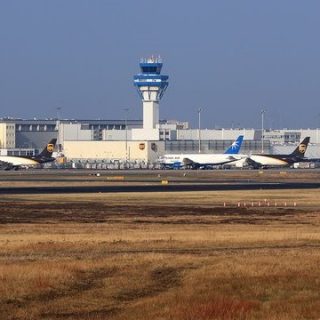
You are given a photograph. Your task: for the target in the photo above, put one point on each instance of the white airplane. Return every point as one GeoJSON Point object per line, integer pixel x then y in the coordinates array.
{"type": "Point", "coordinates": [196, 161]}
{"type": "Point", "coordinates": [16, 162]}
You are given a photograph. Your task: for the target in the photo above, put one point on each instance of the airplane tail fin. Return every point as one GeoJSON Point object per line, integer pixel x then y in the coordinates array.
{"type": "Point", "coordinates": [301, 148]}
{"type": "Point", "coordinates": [235, 147]}
{"type": "Point", "coordinates": [48, 150]}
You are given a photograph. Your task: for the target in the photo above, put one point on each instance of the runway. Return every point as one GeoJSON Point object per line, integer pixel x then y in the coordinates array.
{"type": "Point", "coordinates": [158, 188]}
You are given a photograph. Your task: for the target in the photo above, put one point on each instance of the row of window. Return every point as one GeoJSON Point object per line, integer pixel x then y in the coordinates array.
{"type": "Point", "coordinates": [166, 133]}
{"type": "Point", "coordinates": [20, 153]}
{"type": "Point", "coordinates": [106, 126]}
{"type": "Point", "coordinates": [32, 127]}
{"type": "Point", "coordinates": [212, 145]}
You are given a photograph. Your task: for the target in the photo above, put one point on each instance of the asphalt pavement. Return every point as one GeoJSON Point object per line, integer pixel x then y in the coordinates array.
{"type": "Point", "coordinates": [157, 188]}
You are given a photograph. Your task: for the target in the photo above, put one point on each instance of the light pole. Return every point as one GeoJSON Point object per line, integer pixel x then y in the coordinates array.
{"type": "Point", "coordinates": [60, 139]}
{"type": "Point", "coordinates": [126, 128]}
{"type": "Point", "coordinates": [58, 113]}
{"type": "Point", "coordinates": [262, 130]}
{"type": "Point", "coordinates": [317, 127]}
{"type": "Point", "coordinates": [199, 127]}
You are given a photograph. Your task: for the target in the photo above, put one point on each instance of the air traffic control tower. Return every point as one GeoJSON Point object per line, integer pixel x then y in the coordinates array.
{"type": "Point", "coordinates": [151, 86]}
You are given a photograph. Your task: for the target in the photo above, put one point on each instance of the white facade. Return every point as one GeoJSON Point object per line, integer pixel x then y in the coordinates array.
{"type": "Point", "coordinates": [7, 135]}
{"type": "Point", "coordinates": [114, 150]}
{"type": "Point", "coordinates": [73, 131]}
{"type": "Point", "coordinates": [213, 134]}
{"type": "Point", "coordinates": [285, 136]}
{"type": "Point", "coordinates": [116, 134]}
{"type": "Point", "coordinates": [145, 134]}
{"type": "Point", "coordinates": [281, 137]}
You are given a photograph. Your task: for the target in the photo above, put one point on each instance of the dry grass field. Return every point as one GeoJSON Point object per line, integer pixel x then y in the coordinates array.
{"type": "Point", "coordinates": [161, 256]}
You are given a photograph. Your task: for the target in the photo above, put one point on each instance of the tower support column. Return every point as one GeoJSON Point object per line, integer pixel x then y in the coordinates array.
{"type": "Point", "coordinates": [150, 114]}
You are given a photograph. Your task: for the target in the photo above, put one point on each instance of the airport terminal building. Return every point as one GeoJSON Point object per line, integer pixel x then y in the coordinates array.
{"type": "Point", "coordinates": [145, 140]}
{"type": "Point", "coordinates": [112, 140]}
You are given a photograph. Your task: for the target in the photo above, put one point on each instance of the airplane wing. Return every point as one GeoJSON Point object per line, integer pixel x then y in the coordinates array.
{"type": "Point", "coordinates": [195, 165]}
{"type": "Point", "coordinates": [188, 162]}
{"type": "Point", "coordinates": [253, 164]}
{"type": "Point", "coordinates": [6, 165]}
{"type": "Point", "coordinates": [228, 160]}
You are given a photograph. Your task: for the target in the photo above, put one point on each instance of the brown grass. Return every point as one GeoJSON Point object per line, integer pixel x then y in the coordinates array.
{"type": "Point", "coordinates": [160, 256]}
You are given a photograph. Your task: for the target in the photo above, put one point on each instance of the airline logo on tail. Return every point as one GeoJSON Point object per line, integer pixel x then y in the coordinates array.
{"type": "Point", "coordinates": [50, 147]}
{"type": "Point", "coordinates": [235, 147]}
{"type": "Point", "coordinates": [302, 148]}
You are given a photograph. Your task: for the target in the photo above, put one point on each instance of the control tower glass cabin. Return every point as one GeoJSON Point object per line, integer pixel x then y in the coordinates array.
{"type": "Point", "coordinates": [151, 86]}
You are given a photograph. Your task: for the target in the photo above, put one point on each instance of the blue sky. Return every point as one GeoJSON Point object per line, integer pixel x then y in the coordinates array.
{"type": "Point", "coordinates": [229, 57]}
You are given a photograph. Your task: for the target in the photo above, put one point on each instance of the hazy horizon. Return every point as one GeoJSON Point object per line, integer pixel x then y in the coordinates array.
{"type": "Point", "coordinates": [231, 58]}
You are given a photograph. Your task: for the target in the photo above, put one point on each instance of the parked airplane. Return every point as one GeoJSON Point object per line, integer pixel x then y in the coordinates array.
{"type": "Point", "coordinates": [196, 161]}
{"type": "Point", "coordinates": [279, 160]}
{"type": "Point", "coordinates": [16, 162]}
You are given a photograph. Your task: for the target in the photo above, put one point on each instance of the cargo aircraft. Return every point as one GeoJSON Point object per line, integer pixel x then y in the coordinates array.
{"type": "Point", "coordinates": [280, 160]}
{"type": "Point", "coordinates": [199, 161]}
{"type": "Point", "coordinates": [17, 162]}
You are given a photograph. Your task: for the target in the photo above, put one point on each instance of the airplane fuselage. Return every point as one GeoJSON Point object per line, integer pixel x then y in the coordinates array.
{"type": "Point", "coordinates": [18, 161]}
{"type": "Point", "coordinates": [274, 160]}
{"type": "Point", "coordinates": [14, 162]}
{"type": "Point", "coordinates": [199, 159]}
